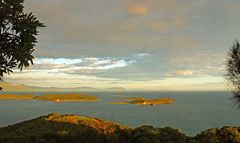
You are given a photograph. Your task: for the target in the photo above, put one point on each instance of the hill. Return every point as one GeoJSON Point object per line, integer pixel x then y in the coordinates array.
{"type": "Point", "coordinates": [56, 128]}
{"type": "Point", "coordinates": [8, 87]}
{"type": "Point", "coordinates": [11, 87]}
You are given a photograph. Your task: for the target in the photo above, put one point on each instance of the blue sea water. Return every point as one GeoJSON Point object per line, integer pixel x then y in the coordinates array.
{"type": "Point", "coordinates": [191, 113]}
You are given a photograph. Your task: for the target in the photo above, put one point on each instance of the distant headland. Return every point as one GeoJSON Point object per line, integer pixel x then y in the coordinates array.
{"type": "Point", "coordinates": [9, 87]}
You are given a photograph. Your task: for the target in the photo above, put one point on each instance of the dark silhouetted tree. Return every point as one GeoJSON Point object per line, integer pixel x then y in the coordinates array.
{"type": "Point", "coordinates": [18, 31]}
{"type": "Point", "coordinates": [233, 70]}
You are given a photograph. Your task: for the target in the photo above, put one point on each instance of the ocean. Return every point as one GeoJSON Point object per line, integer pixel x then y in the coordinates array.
{"type": "Point", "coordinates": [191, 113]}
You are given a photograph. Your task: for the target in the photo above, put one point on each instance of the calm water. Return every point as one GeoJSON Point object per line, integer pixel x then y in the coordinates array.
{"type": "Point", "coordinates": [192, 112]}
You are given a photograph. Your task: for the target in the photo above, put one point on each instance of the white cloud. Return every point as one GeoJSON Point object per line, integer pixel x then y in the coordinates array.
{"type": "Point", "coordinates": [142, 55]}
{"type": "Point", "coordinates": [201, 63]}
{"type": "Point", "coordinates": [66, 61]}
{"type": "Point", "coordinates": [97, 61]}
{"type": "Point", "coordinates": [83, 65]}
{"type": "Point", "coordinates": [72, 72]}
{"type": "Point", "coordinates": [104, 65]}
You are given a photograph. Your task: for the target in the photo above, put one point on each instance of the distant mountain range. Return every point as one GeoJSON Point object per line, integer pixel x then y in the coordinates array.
{"type": "Point", "coordinates": [8, 87]}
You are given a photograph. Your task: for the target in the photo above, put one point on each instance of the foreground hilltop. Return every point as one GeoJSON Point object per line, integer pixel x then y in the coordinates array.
{"type": "Point", "coordinates": [56, 128]}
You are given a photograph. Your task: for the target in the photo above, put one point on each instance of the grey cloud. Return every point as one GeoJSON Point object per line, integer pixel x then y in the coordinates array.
{"type": "Point", "coordinates": [180, 35]}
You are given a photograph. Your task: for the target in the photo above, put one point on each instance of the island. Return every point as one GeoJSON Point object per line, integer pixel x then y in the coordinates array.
{"type": "Point", "coordinates": [143, 101]}
{"type": "Point", "coordinates": [68, 97]}
{"type": "Point", "coordinates": [16, 97]}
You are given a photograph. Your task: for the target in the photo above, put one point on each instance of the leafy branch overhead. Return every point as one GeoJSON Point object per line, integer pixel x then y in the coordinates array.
{"type": "Point", "coordinates": [18, 31]}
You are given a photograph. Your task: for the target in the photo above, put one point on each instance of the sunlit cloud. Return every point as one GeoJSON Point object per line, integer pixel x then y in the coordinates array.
{"type": "Point", "coordinates": [105, 65]}
{"type": "Point", "coordinates": [201, 64]}
{"type": "Point", "coordinates": [58, 79]}
{"type": "Point", "coordinates": [135, 40]}
{"type": "Point", "coordinates": [168, 24]}
{"type": "Point", "coordinates": [198, 58]}
{"type": "Point", "coordinates": [185, 72]}
{"type": "Point", "coordinates": [142, 55]}
{"type": "Point", "coordinates": [97, 61]}
{"type": "Point", "coordinates": [66, 61]}
{"type": "Point", "coordinates": [138, 10]}
{"type": "Point", "coordinates": [84, 65]}
{"type": "Point", "coordinates": [68, 81]}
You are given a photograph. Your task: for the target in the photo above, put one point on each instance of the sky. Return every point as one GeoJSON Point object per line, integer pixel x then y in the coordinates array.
{"type": "Point", "coordinates": [134, 44]}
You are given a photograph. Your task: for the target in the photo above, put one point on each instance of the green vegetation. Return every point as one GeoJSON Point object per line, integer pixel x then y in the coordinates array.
{"type": "Point", "coordinates": [18, 31]}
{"type": "Point", "coordinates": [233, 70]}
{"type": "Point", "coordinates": [143, 101]}
{"type": "Point", "coordinates": [50, 97]}
{"type": "Point", "coordinates": [56, 128]}
{"type": "Point", "coordinates": [223, 135]}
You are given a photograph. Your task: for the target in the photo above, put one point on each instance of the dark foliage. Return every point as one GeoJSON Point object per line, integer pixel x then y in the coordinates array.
{"type": "Point", "coordinates": [233, 70]}
{"type": "Point", "coordinates": [149, 134]}
{"type": "Point", "coordinates": [18, 31]}
{"type": "Point", "coordinates": [224, 135]}
{"type": "Point", "coordinates": [43, 130]}
{"type": "Point", "coordinates": [64, 132]}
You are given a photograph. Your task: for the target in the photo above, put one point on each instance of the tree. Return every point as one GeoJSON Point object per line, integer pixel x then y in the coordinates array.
{"type": "Point", "coordinates": [233, 70]}
{"type": "Point", "coordinates": [18, 31]}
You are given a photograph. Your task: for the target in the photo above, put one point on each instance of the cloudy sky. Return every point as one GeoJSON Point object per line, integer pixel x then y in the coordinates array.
{"type": "Point", "coordinates": [135, 44]}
